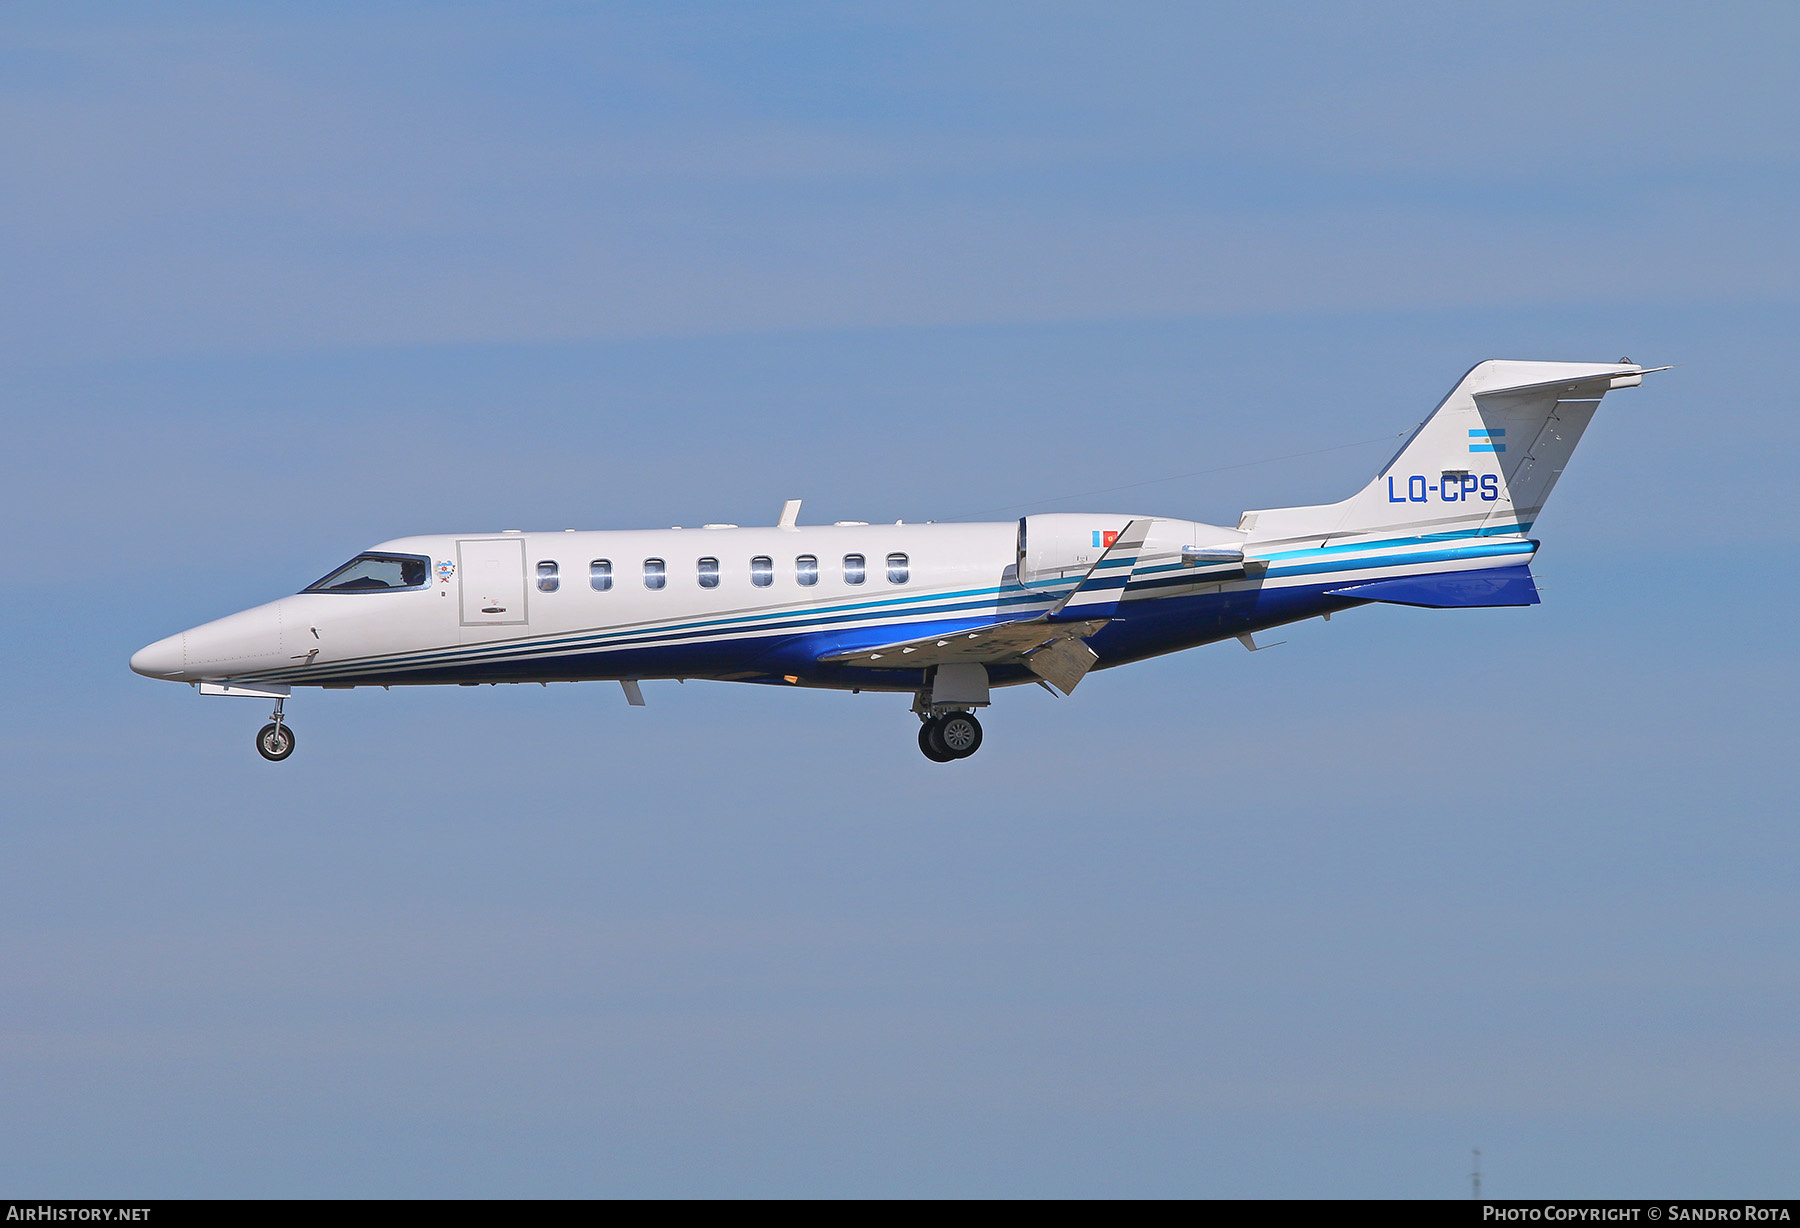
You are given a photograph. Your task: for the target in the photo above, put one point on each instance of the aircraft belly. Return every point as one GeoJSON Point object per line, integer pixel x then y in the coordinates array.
{"type": "Point", "coordinates": [1152, 628]}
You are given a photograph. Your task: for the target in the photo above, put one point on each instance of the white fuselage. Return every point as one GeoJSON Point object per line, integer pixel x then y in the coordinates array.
{"type": "Point", "coordinates": [941, 610]}
{"type": "Point", "coordinates": [695, 603]}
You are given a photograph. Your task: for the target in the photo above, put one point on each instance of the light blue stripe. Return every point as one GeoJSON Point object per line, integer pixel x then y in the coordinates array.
{"type": "Point", "coordinates": [1494, 550]}
{"type": "Point", "coordinates": [1340, 548]}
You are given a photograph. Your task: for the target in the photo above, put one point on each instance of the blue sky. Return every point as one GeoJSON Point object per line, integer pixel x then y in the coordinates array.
{"type": "Point", "coordinates": [282, 282]}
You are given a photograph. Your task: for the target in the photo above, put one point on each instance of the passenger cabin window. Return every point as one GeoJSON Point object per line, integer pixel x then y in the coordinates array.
{"type": "Point", "coordinates": [855, 568]}
{"type": "Point", "coordinates": [547, 578]}
{"type": "Point", "coordinates": [897, 569]}
{"type": "Point", "coordinates": [656, 574]}
{"type": "Point", "coordinates": [806, 569]}
{"type": "Point", "coordinates": [371, 573]}
{"type": "Point", "coordinates": [600, 575]}
{"type": "Point", "coordinates": [709, 573]}
{"type": "Point", "coordinates": [762, 571]}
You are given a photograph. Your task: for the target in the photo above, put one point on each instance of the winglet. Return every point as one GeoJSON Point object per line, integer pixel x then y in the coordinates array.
{"type": "Point", "coordinates": [1097, 596]}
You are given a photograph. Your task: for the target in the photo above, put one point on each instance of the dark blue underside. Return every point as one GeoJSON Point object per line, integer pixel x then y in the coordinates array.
{"type": "Point", "coordinates": [1491, 586]}
{"type": "Point", "coordinates": [1141, 629]}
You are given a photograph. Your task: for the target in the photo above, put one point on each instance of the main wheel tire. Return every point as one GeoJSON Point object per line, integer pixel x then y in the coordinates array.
{"type": "Point", "coordinates": [274, 742]}
{"type": "Point", "coordinates": [929, 744]}
{"type": "Point", "coordinates": [959, 734]}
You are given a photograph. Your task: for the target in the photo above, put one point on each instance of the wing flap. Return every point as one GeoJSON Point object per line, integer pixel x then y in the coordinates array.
{"type": "Point", "coordinates": [1063, 663]}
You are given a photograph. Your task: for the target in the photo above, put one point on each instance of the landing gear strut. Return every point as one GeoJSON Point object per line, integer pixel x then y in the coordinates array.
{"type": "Point", "coordinates": [951, 735]}
{"type": "Point", "coordinates": [275, 741]}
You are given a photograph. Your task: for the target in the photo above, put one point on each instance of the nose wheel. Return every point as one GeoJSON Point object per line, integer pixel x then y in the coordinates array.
{"type": "Point", "coordinates": [954, 735]}
{"type": "Point", "coordinates": [275, 741]}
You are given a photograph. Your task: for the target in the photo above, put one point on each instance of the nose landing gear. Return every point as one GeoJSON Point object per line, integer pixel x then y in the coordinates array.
{"type": "Point", "coordinates": [951, 735]}
{"type": "Point", "coordinates": [275, 741]}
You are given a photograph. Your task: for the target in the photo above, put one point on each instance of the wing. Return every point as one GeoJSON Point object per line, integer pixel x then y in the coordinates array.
{"type": "Point", "coordinates": [999, 644]}
{"type": "Point", "coordinates": [1054, 651]}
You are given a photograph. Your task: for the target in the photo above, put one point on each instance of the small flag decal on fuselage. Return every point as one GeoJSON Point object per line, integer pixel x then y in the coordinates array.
{"type": "Point", "coordinates": [1488, 441]}
{"type": "Point", "coordinates": [1105, 538]}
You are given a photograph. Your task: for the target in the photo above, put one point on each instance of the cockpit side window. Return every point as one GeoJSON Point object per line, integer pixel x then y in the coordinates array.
{"type": "Point", "coordinates": [372, 573]}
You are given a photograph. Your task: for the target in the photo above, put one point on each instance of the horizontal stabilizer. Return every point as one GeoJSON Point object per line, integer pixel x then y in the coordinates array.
{"type": "Point", "coordinates": [1492, 586]}
{"type": "Point", "coordinates": [1627, 377]}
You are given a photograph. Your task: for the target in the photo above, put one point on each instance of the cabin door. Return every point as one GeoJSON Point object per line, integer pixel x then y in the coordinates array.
{"type": "Point", "coordinates": [492, 574]}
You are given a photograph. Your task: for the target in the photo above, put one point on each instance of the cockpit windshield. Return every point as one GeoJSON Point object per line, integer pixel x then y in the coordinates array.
{"type": "Point", "coordinates": [368, 573]}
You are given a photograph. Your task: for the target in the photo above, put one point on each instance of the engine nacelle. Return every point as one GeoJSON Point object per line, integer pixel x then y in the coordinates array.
{"type": "Point", "coordinates": [1062, 545]}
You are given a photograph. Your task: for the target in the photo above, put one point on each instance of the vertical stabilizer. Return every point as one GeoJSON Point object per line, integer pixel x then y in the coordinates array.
{"type": "Point", "coordinates": [1482, 464]}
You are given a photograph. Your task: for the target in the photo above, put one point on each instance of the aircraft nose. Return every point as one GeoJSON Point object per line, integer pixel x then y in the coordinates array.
{"type": "Point", "coordinates": [166, 658]}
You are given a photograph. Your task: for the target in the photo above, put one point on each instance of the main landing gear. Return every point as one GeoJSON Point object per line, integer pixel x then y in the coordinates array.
{"type": "Point", "coordinates": [275, 741]}
{"type": "Point", "coordinates": [950, 735]}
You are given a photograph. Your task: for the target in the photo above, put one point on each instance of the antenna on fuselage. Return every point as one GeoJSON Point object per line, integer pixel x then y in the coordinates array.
{"type": "Point", "coordinates": [790, 515]}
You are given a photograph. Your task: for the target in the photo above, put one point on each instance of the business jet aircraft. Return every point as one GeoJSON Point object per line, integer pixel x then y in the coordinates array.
{"type": "Point", "coordinates": [944, 612]}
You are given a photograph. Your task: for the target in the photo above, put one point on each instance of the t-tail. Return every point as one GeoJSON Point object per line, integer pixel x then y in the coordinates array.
{"type": "Point", "coordinates": [1447, 521]}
